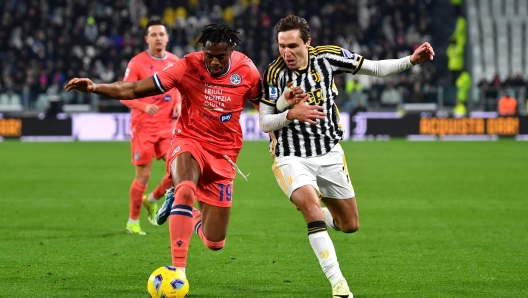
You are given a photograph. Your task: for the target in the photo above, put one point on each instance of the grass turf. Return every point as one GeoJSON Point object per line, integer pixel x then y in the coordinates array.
{"type": "Point", "coordinates": [438, 219]}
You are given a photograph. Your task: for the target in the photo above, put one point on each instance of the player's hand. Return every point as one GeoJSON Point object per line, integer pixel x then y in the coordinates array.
{"type": "Point", "coordinates": [81, 84]}
{"type": "Point", "coordinates": [305, 112]}
{"type": "Point", "coordinates": [176, 111]}
{"type": "Point", "coordinates": [422, 53]}
{"type": "Point", "coordinates": [152, 109]}
{"type": "Point", "coordinates": [294, 94]}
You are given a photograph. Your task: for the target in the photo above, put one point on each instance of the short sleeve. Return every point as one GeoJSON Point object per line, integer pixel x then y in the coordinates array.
{"type": "Point", "coordinates": [270, 91]}
{"type": "Point", "coordinates": [170, 76]}
{"type": "Point", "coordinates": [255, 90]}
{"type": "Point", "coordinates": [131, 73]}
{"type": "Point", "coordinates": [342, 60]}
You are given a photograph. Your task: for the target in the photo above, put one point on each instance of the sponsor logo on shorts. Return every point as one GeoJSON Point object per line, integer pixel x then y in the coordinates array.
{"type": "Point", "coordinates": [176, 150]}
{"type": "Point", "coordinates": [235, 79]}
{"type": "Point", "coordinates": [136, 155]}
{"type": "Point", "coordinates": [226, 117]}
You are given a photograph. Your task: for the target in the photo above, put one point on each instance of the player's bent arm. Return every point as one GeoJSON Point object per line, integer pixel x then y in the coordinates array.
{"type": "Point", "coordinates": [386, 67]}
{"type": "Point", "coordinates": [127, 90]}
{"type": "Point", "coordinates": [269, 120]}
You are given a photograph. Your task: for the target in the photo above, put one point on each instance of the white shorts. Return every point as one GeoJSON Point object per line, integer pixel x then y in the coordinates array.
{"type": "Point", "coordinates": [328, 174]}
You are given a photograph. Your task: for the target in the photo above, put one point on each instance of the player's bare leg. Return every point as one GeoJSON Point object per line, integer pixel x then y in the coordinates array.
{"type": "Point", "coordinates": [185, 172]}
{"type": "Point", "coordinates": [210, 223]}
{"type": "Point", "coordinates": [342, 214]}
{"type": "Point", "coordinates": [306, 199]}
{"type": "Point", "coordinates": [137, 189]}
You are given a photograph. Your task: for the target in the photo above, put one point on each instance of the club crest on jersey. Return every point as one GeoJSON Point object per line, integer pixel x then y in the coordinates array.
{"type": "Point", "coordinates": [136, 155]}
{"type": "Point", "coordinates": [235, 79]}
{"type": "Point", "coordinates": [167, 98]}
{"type": "Point", "coordinates": [347, 54]}
{"type": "Point", "coordinates": [273, 94]}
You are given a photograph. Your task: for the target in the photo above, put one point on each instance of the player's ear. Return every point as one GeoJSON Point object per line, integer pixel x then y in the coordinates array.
{"type": "Point", "coordinates": [308, 42]}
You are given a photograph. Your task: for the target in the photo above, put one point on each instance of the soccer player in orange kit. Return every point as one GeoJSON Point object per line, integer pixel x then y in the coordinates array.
{"type": "Point", "coordinates": [215, 84]}
{"type": "Point", "coordinates": [152, 121]}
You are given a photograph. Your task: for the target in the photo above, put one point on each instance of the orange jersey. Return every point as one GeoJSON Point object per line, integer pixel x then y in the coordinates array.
{"type": "Point", "coordinates": [211, 106]}
{"type": "Point", "coordinates": [141, 66]}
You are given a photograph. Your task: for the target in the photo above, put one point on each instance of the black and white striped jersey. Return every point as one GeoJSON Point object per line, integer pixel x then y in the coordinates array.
{"type": "Point", "coordinates": [317, 80]}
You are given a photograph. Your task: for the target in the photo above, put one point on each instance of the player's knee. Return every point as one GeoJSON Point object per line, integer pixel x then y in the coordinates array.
{"type": "Point", "coordinates": [350, 226]}
{"type": "Point", "coordinates": [214, 245]}
{"type": "Point", "coordinates": [184, 193]}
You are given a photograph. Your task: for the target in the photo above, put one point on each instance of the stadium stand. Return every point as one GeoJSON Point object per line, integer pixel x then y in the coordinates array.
{"type": "Point", "coordinates": [498, 35]}
{"type": "Point", "coordinates": [45, 42]}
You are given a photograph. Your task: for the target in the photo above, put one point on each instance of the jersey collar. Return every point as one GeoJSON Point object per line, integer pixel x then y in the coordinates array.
{"type": "Point", "coordinates": [157, 58]}
{"type": "Point", "coordinates": [228, 68]}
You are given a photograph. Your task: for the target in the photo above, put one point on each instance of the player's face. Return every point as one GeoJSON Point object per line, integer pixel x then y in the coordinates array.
{"type": "Point", "coordinates": [216, 57]}
{"type": "Point", "coordinates": [293, 49]}
{"type": "Point", "coordinates": [157, 38]}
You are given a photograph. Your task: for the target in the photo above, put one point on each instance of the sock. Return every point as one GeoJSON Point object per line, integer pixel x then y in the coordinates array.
{"type": "Point", "coordinates": [329, 220]}
{"type": "Point", "coordinates": [181, 222]}
{"type": "Point", "coordinates": [131, 221]}
{"type": "Point", "coordinates": [159, 191]}
{"type": "Point", "coordinates": [324, 250]}
{"type": "Point", "coordinates": [197, 224]}
{"type": "Point", "coordinates": [136, 196]}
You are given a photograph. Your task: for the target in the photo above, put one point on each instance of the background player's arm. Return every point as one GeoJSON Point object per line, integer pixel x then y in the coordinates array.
{"type": "Point", "coordinates": [116, 90]}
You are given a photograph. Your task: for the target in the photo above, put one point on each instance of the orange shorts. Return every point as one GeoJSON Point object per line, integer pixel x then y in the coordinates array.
{"type": "Point", "coordinates": [146, 146]}
{"type": "Point", "coordinates": [215, 186]}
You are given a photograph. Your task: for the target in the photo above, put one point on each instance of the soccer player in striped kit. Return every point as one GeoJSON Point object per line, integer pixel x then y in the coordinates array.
{"type": "Point", "coordinates": [309, 164]}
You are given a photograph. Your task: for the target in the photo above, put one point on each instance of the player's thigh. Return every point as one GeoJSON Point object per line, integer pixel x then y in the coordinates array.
{"type": "Point", "coordinates": [293, 173]}
{"type": "Point", "coordinates": [142, 149]}
{"type": "Point", "coordinates": [185, 161]}
{"type": "Point", "coordinates": [216, 185]}
{"type": "Point", "coordinates": [345, 213]}
{"type": "Point", "coordinates": [215, 221]}
{"type": "Point", "coordinates": [333, 178]}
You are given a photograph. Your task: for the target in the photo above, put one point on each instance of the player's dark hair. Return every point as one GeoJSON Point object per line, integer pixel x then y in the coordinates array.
{"type": "Point", "coordinates": [292, 22]}
{"type": "Point", "coordinates": [153, 21]}
{"type": "Point", "coordinates": [216, 33]}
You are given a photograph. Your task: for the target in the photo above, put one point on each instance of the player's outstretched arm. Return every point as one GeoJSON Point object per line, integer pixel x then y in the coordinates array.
{"type": "Point", "coordinates": [116, 90]}
{"type": "Point", "coordinates": [387, 67]}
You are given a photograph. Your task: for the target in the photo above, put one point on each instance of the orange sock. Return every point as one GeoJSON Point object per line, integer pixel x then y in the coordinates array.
{"type": "Point", "coordinates": [181, 222]}
{"type": "Point", "coordinates": [164, 184]}
{"type": "Point", "coordinates": [136, 197]}
{"type": "Point", "coordinates": [197, 224]}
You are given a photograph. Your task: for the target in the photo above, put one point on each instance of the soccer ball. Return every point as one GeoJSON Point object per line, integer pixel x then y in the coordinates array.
{"type": "Point", "coordinates": [168, 282]}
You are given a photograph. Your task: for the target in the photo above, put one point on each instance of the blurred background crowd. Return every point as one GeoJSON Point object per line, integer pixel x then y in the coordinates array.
{"type": "Point", "coordinates": [44, 43]}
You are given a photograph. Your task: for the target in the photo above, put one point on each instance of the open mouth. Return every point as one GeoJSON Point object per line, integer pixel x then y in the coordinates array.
{"type": "Point", "coordinates": [290, 62]}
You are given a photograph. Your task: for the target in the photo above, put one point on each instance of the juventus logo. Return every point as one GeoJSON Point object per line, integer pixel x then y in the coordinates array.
{"type": "Point", "coordinates": [324, 254]}
{"type": "Point", "coordinates": [316, 76]}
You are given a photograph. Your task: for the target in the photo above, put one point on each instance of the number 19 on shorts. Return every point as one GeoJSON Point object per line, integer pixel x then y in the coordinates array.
{"type": "Point", "coordinates": [225, 192]}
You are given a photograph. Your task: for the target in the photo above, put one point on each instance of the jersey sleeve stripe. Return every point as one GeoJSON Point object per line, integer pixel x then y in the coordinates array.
{"type": "Point", "coordinates": [158, 84]}
{"type": "Point", "coordinates": [358, 67]}
{"type": "Point", "coordinates": [268, 102]}
{"type": "Point", "coordinates": [273, 71]}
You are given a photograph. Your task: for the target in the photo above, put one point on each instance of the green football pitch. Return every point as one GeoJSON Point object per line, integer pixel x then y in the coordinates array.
{"type": "Point", "coordinates": [438, 219]}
